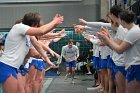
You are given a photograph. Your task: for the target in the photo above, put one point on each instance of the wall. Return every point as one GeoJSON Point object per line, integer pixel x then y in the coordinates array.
{"type": "Point", "coordinates": [87, 9]}
{"type": "Point", "coordinates": [104, 8]}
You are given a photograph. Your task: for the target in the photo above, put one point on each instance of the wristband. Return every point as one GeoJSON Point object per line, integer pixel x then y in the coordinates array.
{"type": "Point", "coordinates": [52, 41]}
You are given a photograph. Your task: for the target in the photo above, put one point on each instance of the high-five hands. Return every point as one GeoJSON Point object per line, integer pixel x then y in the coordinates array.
{"type": "Point", "coordinates": [82, 21]}
{"type": "Point", "coordinates": [58, 19]}
{"type": "Point", "coordinates": [104, 35]}
{"type": "Point", "coordinates": [79, 28]}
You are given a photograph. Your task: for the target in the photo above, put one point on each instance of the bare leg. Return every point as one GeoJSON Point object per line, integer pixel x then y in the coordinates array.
{"type": "Point", "coordinates": [37, 81]}
{"type": "Point", "coordinates": [8, 85]}
{"type": "Point", "coordinates": [30, 78]}
{"type": "Point", "coordinates": [102, 80]}
{"type": "Point", "coordinates": [73, 72]}
{"type": "Point", "coordinates": [99, 79]}
{"type": "Point", "coordinates": [133, 86]}
{"type": "Point", "coordinates": [41, 83]}
{"type": "Point", "coordinates": [21, 84]}
{"type": "Point", "coordinates": [88, 67]}
{"type": "Point", "coordinates": [120, 82]}
{"type": "Point", "coordinates": [111, 82]}
{"type": "Point", "coordinates": [67, 72]}
{"type": "Point", "coordinates": [106, 81]}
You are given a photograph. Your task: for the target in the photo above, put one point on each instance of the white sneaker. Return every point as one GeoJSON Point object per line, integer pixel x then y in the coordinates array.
{"type": "Point", "coordinates": [89, 73]}
{"type": "Point", "coordinates": [72, 82]}
{"type": "Point", "coordinates": [66, 77]}
{"type": "Point", "coordinates": [94, 88]}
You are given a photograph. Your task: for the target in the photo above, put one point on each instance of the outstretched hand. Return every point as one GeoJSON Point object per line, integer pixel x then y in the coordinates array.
{"type": "Point", "coordinates": [79, 28]}
{"type": "Point", "coordinates": [104, 35]}
{"type": "Point", "coordinates": [48, 61]}
{"type": "Point", "coordinates": [87, 37]}
{"type": "Point", "coordinates": [106, 32]}
{"type": "Point", "coordinates": [58, 19]}
{"type": "Point", "coordinates": [51, 64]}
{"type": "Point", "coordinates": [82, 21]}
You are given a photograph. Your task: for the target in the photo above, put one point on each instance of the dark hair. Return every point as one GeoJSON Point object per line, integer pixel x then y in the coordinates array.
{"type": "Point", "coordinates": [70, 41]}
{"type": "Point", "coordinates": [103, 20]}
{"type": "Point", "coordinates": [138, 20]}
{"type": "Point", "coordinates": [127, 16]}
{"type": "Point", "coordinates": [18, 21]}
{"type": "Point", "coordinates": [31, 19]}
{"type": "Point", "coordinates": [115, 10]}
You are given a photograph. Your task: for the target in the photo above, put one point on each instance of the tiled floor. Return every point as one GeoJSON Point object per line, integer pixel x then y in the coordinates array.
{"type": "Point", "coordinates": [60, 85]}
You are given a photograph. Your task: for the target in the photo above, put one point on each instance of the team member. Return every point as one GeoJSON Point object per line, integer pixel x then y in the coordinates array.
{"type": "Point", "coordinates": [70, 53]}
{"type": "Point", "coordinates": [17, 46]}
{"type": "Point", "coordinates": [130, 47]}
{"type": "Point", "coordinates": [117, 69]}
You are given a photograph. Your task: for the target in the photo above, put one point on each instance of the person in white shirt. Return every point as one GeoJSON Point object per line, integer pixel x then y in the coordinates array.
{"type": "Point", "coordinates": [70, 53]}
{"type": "Point", "coordinates": [117, 69]}
{"type": "Point", "coordinates": [37, 66]}
{"type": "Point", "coordinates": [17, 46]}
{"type": "Point", "coordinates": [130, 48]}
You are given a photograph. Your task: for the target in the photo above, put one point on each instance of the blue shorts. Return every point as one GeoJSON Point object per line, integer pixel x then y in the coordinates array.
{"type": "Point", "coordinates": [110, 63]}
{"type": "Point", "coordinates": [6, 71]}
{"type": "Point", "coordinates": [133, 73]}
{"type": "Point", "coordinates": [99, 60]}
{"type": "Point", "coordinates": [108, 60]}
{"type": "Point", "coordinates": [118, 68]}
{"type": "Point", "coordinates": [39, 64]}
{"type": "Point", "coordinates": [71, 64]}
{"type": "Point", "coordinates": [103, 63]}
{"type": "Point", "coordinates": [23, 70]}
{"type": "Point", "coordinates": [95, 62]}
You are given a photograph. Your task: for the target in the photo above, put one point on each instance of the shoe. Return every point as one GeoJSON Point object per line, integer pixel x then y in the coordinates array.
{"type": "Point", "coordinates": [69, 75]}
{"type": "Point", "coordinates": [89, 73]}
{"type": "Point", "coordinates": [93, 88]}
{"type": "Point", "coordinates": [95, 85]}
{"type": "Point", "coordinates": [72, 82]}
{"type": "Point", "coordinates": [66, 77]}
{"type": "Point", "coordinates": [58, 73]}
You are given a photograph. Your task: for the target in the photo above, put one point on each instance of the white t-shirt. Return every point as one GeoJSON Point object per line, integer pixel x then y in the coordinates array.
{"type": "Point", "coordinates": [71, 53]}
{"type": "Point", "coordinates": [16, 46]}
{"type": "Point", "coordinates": [30, 58]}
{"type": "Point", "coordinates": [104, 52]}
{"type": "Point", "coordinates": [132, 55]}
{"type": "Point", "coordinates": [119, 58]}
{"type": "Point", "coordinates": [96, 51]}
{"type": "Point", "coordinates": [112, 33]}
{"type": "Point", "coordinates": [95, 42]}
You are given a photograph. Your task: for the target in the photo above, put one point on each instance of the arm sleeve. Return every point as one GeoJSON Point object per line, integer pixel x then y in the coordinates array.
{"type": "Point", "coordinates": [121, 33]}
{"type": "Point", "coordinates": [99, 25]}
{"type": "Point", "coordinates": [94, 41]}
{"type": "Point", "coordinates": [90, 28]}
{"type": "Point", "coordinates": [132, 37]}
{"type": "Point", "coordinates": [63, 53]}
{"type": "Point", "coordinates": [77, 51]}
{"type": "Point", "coordinates": [23, 28]}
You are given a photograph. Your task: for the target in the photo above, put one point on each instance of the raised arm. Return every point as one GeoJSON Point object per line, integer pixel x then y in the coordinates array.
{"type": "Point", "coordinates": [36, 31]}
{"type": "Point", "coordinates": [40, 50]}
{"type": "Point", "coordinates": [77, 53]}
{"type": "Point", "coordinates": [59, 35]}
